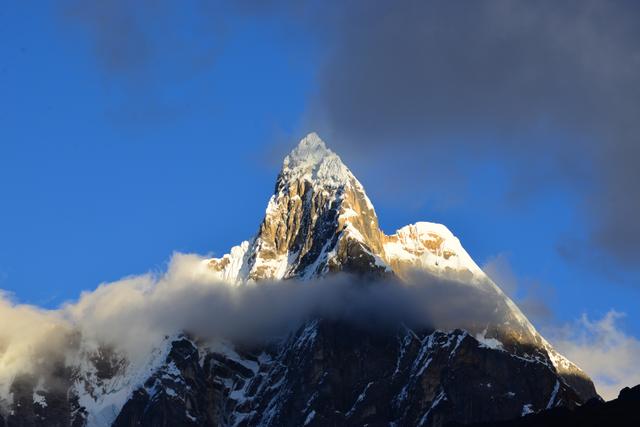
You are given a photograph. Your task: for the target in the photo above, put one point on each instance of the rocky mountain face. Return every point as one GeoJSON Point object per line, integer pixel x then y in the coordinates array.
{"type": "Point", "coordinates": [329, 372]}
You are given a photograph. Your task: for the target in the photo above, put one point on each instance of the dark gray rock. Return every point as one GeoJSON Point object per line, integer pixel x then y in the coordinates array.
{"type": "Point", "coordinates": [333, 373]}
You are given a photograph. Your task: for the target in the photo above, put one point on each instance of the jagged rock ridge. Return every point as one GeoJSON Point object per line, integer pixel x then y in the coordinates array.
{"type": "Point", "coordinates": [320, 221]}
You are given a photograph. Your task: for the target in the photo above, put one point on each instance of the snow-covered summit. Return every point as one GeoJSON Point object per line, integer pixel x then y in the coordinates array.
{"type": "Point", "coordinates": [310, 150]}
{"type": "Point", "coordinates": [313, 161]}
{"type": "Point", "coordinates": [429, 246]}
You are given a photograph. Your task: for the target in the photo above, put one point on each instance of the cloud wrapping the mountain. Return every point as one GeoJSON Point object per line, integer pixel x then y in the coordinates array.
{"type": "Point", "coordinates": [136, 313]}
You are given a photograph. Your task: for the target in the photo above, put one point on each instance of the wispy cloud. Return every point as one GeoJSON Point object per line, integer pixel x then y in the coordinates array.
{"type": "Point", "coordinates": [148, 52]}
{"type": "Point", "coordinates": [603, 350]}
{"type": "Point", "coordinates": [531, 296]}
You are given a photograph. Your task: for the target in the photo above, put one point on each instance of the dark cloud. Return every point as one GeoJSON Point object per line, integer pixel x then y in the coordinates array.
{"type": "Point", "coordinates": [148, 51]}
{"type": "Point", "coordinates": [551, 89]}
{"type": "Point", "coordinates": [129, 39]}
{"type": "Point", "coordinates": [120, 41]}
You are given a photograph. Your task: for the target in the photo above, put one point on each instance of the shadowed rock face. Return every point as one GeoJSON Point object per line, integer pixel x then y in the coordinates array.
{"type": "Point", "coordinates": [331, 373]}
{"type": "Point", "coordinates": [320, 221]}
{"type": "Point", "coordinates": [42, 404]}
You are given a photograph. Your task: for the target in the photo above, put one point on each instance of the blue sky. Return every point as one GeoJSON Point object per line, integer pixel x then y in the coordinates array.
{"type": "Point", "coordinates": [106, 169]}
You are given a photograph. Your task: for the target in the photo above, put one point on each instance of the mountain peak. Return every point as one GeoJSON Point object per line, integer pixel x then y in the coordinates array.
{"type": "Point", "coordinates": [310, 151]}
{"type": "Point", "coordinates": [313, 161]}
{"type": "Point", "coordinates": [311, 145]}
{"type": "Point", "coordinates": [320, 221]}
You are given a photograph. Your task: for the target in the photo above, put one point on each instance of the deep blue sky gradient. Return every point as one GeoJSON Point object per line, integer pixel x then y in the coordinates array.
{"type": "Point", "coordinates": [104, 174]}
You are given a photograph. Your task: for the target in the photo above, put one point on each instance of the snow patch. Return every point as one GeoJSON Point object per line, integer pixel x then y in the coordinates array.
{"type": "Point", "coordinates": [310, 417]}
{"type": "Point", "coordinates": [527, 409]}
{"type": "Point", "coordinates": [554, 393]}
{"type": "Point", "coordinates": [359, 399]}
{"type": "Point", "coordinates": [39, 399]}
{"type": "Point", "coordinates": [491, 343]}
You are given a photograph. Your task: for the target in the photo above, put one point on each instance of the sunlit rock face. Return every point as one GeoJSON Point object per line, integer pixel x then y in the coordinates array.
{"type": "Point", "coordinates": [319, 221]}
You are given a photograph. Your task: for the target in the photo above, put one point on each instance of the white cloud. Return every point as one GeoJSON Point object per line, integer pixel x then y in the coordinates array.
{"type": "Point", "coordinates": [25, 332]}
{"type": "Point", "coordinates": [609, 355]}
